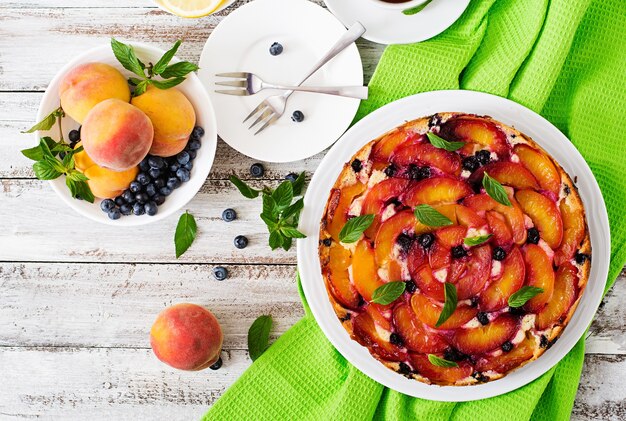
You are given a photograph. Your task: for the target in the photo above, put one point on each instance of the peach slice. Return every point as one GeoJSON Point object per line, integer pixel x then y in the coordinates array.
{"type": "Point", "coordinates": [506, 361]}
{"type": "Point", "coordinates": [416, 337]}
{"type": "Point", "coordinates": [507, 173]}
{"type": "Point", "coordinates": [377, 197]}
{"type": "Point", "coordinates": [377, 312]}
{"type": "Point", "coordinates": [540, 166]}
{"type": "Point", "coordinates": [451, 236]}
{"type": "Point", "coordinates": [365, 333]}
{"type": "Point", "coordinates": [502, 235]}
{"type": "Point", "coordinates": [436, 190]}
{"type": "Point", "coordinates": [564, 294]}
{"type": "Point", "coordinates": [539, 273]}
{"type": "Point", "coordinates": [339, 279]}
{"type": "Point", "coordinates": [573, 231]}
{"type": "Point", "coordinates": [439, 255]}
{"type": "Point", "coordinates": [476, 130]}
{"type": "Point", "coordinates": [498, 292]}
{"type": "Point", "coordinates": [365, 270]}
{"type": "Point", "coordinates": [428, 312]}
{"type": "Point", "coordinates": [467, 217]}
{"type": "Point", "coordinates": [416, 257]}
{"type": "Point", "coordinates": [384, 148]}
{"type": "Point", "coordinates": [513, 214]}
{"type": "Point", "coordinates": [481, 339]}
{"type": "Point", "coordinates": [424, 279]}
{"type": "Point", "coordinates": [426, 154]}
{"type": "Point", "coordinates": [436, 374]}
{"type": "Point", "coordinates": [544, 214]}
{"type": "Point", "coordinates": [478, 272]}
{"type": "Point", "coordinates": [337, 216]}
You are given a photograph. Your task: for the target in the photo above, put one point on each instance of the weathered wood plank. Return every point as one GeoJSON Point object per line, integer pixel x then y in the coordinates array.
{"type": "Point", "coordinates": [113, 305]}
{"type": "Point", "coordinates": [64, 33]}
{"type": "Point", "coordinates": [96, 383]}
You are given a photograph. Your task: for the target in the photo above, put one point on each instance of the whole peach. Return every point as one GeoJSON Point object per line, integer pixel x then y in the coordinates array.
{"type": "Point", "coordinates": [172, 116]}
{"type": "Point", "coordinates": [187, 337]}
{"type": "Point", "coordinates": [86, 85]}
{"type": "Point", "coordinates": [116, 135]}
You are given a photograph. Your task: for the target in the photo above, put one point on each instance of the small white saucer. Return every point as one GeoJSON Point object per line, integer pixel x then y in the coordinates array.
{"type": "Point", "coordinates": [306, 31]}
{"type": "Point", "coordinates": [391, 26]}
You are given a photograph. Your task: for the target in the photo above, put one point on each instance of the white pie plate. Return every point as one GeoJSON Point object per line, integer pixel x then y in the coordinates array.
{"type": "Point", "coordinates": [205, 117]}
{"type": "Point", "coordinates": [383, 120]}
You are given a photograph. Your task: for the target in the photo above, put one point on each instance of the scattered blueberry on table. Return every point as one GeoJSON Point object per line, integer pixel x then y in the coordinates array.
{"type": "Point", "coordinates": [276, 48]}
{"type": "Point", "coordinates": [241, 241]}
{"type": "Point", "coordinates": [220, 273]}
{"type": "Point", "coordinates": [297, 116]}
{"type": "Point", "coordinates": [257, 170]}
{"type": "Point", "coordinates": [292, 176]}
{"type": "Point", "coordinates": [157, 178]}
{"type": "Point", "coordinates": [229, 215]}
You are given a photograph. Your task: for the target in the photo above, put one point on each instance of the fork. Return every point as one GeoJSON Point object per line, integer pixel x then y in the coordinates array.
{"type": "Point", "coordinates": [250, 84]}
{"type": "Point", "coordinates": [271, 108]}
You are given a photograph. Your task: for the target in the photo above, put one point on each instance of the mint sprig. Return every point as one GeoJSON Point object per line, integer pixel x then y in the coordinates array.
{"type": "Point", "coordinates": [441, 362]}
{"type": "Point", "coordinates": [495, 190]}
{"type": "Point", "coordinates": [428, 215]}
{"type": "Point", "coordinates": [259, 336]}
{"type": "Point", "coordinates": [521, 296]}
{"type": "Point", "coordinates": [171, 74]}
{"type": "Point", "coordinates": [478, 240]}
{"type": "Point", "coordinates": [279, 213]}
{"type": "Point", "coordinates": [441, 143]}
{"type": "Point", "coordinates": [354, 228]}
{"type": "Point", "coordinates": [186, 230]}
{"type": "Point", "coordinates": [388, 293]}
{"type": "Point", "coordinates": [47, 122]}
{"type": "Point", "coordinates": [449, 305]}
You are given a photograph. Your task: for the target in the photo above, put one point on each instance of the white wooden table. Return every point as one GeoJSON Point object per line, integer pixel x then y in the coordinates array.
{"type": "Point", "coordinates": [77, 299]}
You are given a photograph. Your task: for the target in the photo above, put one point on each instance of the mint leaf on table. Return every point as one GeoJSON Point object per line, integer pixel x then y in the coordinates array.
{"type": "Point", "coordinates": [298, 185]}
{"type": "Point", "coordinates": [47, 122]}
{"type": "Point", "coordinates": [449, 305]}
{"type": "Point", "coordinates": [428, 215]}
{"type": "Point", "coordinates": [495, 190]}
{"type": "Point", "coordinates": [354, 228]}
{"type": "Point", "coordinates": [185, 233]}
{"type": "Point", "coordinates": [521, 296]}
{"type": "Point", "coordinates": [283, 195]}
{"type": "Point", "coordinates": [259, 336]}
{"type": "Point", "coordinates": [441, 362]}
{"type": "Point", "coordinates": [441, 143]}
{"type": "Point", "coordinates": [478, 240]}
{"type": "Point", "coordinates": [416, 9]}
{"type": "Point", "coordinates": [180, 69]}
{"type": "Point", "coordinates": [243, 188]}
{"type": "Point", "coordinates": [388, 293]}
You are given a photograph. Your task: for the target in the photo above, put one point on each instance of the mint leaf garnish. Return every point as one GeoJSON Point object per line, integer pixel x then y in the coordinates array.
{"type": "Point", "coordinates": [185, 233]}
{"type": "Point", "coordinates": [428, 215]}
{"type": "Point", "coordinates": [521, 296]}
{"type": "Point", "coordinates": [125, 54]}
{"type": "Point", "coordinates": [166, 84]}
{"type": "Point", "coordinates": [495, 190]}
{"type": "Point", "coordinates": [388, 293]}
{"type": "Point", "coordinates": [354, 228]}
{"type": "Point", "coordinates": [475, 241]}
{"type": "Point", "coordinates": [161, 65]}
{"type": "Point", "coordinates": [259, 336]}
{"type": "Point", "coordinates": [416, 9]}
{"type": "Point", "coordinates": [47, 122]}
{"type": "Point", "coordinates": [441, 143]}
{"type": "Point", "coordinates": [449, 305]}
{"type": "Point", "coordinates": [180, 69]}
{"type": "Point", "coordinates": [441, 362]}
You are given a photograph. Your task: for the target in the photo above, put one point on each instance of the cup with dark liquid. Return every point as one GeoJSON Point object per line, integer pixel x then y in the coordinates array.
{"type": "Point", "coordinates": [398, 4]}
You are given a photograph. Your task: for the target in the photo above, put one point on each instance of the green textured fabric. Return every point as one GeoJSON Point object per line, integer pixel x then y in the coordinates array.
{"type": "Point", "coordinates": [565, 59]}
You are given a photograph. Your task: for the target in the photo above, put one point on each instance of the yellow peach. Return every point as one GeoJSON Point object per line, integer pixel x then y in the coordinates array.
{"type": "Point", "coordinates": [86, 85]}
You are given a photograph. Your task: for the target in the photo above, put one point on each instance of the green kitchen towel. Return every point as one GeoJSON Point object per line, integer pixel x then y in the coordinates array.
{"type": "Point", "coordinates": [565, 59]}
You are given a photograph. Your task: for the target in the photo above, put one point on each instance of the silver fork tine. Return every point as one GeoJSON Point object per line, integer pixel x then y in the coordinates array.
{"type": "Point", "coordinates": [259, 107]}
{"type": "Point", "coordinates": [234, 83]}
{"type": "Point", "coordinates": [267, 124]}
{"type": "Point", "coordinates": [267, 113]}
{"type": "Point", "coordinates": [238, 92]}
{"type": "Point", "coordinates": [233, 74]}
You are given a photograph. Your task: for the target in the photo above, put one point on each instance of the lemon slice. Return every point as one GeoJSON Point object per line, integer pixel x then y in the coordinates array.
{"type": "Point", "coordinates": [191, 8]}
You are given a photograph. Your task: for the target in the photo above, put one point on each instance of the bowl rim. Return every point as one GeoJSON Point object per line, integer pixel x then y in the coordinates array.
{"type": "Point", "coordinates": [210, 136]}
{"type": "Point", "coordinates": [385, 119]}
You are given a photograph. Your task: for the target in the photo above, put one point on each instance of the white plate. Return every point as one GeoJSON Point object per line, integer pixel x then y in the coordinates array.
{"type": "Point", "coordinates": [205, 117]}
{"type": "Point", "coordinates": [383, 120]}
{"type": "Point", "coordinates": [391, 26]}
{"type": "Point", "coordinates": [241, 43]}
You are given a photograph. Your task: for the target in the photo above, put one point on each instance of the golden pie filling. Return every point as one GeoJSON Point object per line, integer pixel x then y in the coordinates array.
{"type": "Point", "coordinates": [482, 234]}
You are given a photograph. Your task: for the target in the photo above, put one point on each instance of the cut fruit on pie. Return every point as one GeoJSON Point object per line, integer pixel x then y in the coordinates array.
{"type": "Point", "coordinates": [483, 249]}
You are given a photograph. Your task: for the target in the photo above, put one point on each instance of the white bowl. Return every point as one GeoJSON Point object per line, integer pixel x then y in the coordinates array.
{"type": "Point", "coordinates": [205, 117]}
{"type": "Point", "coordinates": [383, 120]}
